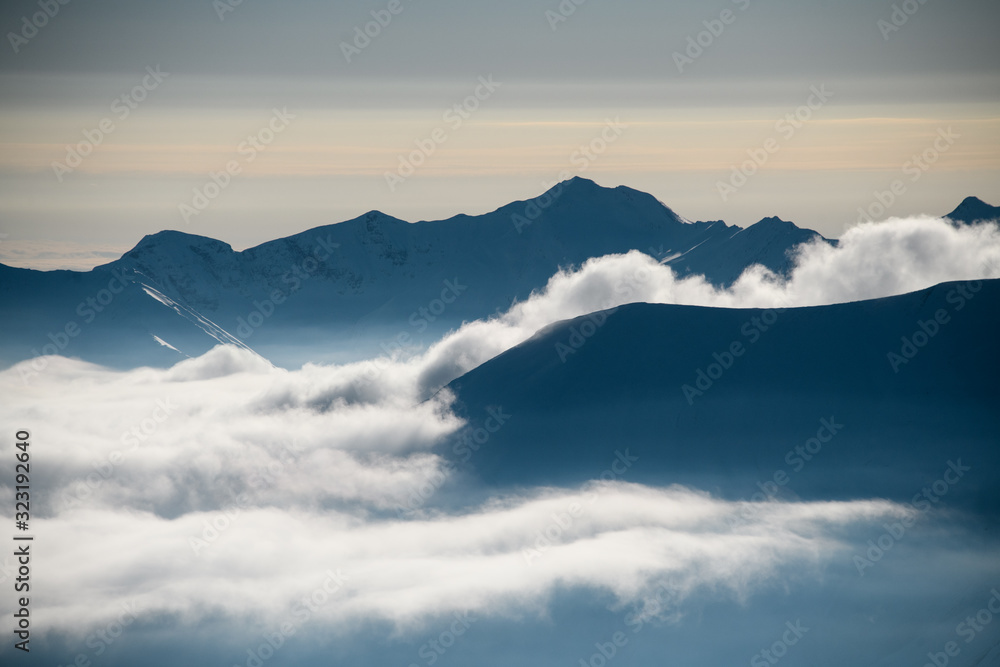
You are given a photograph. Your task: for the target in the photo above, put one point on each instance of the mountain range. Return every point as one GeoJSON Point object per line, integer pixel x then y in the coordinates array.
{"type": "Point", "coordinates": [341, 290]}
{"type": "Point", "coordinates": [712, 455]}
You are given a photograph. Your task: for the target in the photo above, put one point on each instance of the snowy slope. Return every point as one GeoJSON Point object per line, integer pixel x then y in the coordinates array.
{"type": "Point", "coordinates": [347, 291]}
{"type": "Point", "coordinates": [728, 253]}
{"type": "Point", "coordinates": [347, 286]}
{"type": "Point", "coordinates": [505, 254]}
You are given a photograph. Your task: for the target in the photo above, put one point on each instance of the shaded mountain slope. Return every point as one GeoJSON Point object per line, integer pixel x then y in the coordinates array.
{"type": "Point", "coordinates": [662, 381]}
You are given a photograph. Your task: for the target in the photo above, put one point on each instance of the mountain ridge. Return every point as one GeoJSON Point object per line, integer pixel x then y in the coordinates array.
{"type": "Point", "coordinates": [914, 372]}
{"type": "Point", "coordinates": [971, 209]}
{"type": "Point", "coordinates": [576, 186]}
{"type": "Point", "coordinates": [974, 209]}
{"type": "Point", "coordinates": [348, 285]}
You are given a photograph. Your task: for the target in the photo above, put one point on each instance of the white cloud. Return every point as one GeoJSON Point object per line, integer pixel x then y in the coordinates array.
{"type": "Point", "coordinates": [305, 468]}
{"type": "Point", "coordinates": [193, 436]}
{"type": "Point", "coordinates": [224, 485]}
{"type": "Point", "coordinates": [871, 261]}
{"type": "Point", "coordinates": [57, 255]}
{"type": "Point", "coordinates": [500, 559]}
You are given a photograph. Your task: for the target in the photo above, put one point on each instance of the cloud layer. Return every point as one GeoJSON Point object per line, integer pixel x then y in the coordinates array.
{"type": "Point", "coordinates": [224, 487]}
{"type": "Point", "coordinates": [870, 261]}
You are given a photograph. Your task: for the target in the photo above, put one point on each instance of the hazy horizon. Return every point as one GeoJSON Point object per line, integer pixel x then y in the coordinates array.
{"type": "Point", "coordinates": [699, 89]}
{"type": "Point", "coordinates": [56, 255]}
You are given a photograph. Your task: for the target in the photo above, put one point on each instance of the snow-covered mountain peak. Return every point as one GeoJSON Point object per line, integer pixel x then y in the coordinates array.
{"type": "Point", "coordinates": [174, 243]}
{"type": "Point", "coordinates": [776, 221]}
{"type": "Point", "coordinates": [581, 184]}
{"type": "Point", "coordinates": [376, 217]}
{"type": "Point", "coordinates": [582, 203]}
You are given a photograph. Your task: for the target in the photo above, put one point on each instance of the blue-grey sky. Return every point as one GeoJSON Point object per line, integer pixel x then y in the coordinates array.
{"type": "Point", "coordinates": [892, 83]}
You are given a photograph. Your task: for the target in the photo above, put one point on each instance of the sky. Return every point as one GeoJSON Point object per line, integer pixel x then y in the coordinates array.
{"type": "Point", "coordinates": [119, 119]}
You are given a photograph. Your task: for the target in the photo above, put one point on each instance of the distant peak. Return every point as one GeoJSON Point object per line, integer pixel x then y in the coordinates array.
{"type": "Point", "coordinates": [376, 217]}
{"type": "Point", "coordinates": [773, 226]}
{"type": "Point", "coordinates": [576, 185]}
{"type": "Point", "coordinates": [974, 209]}
{"type": "Point", "coordinates": [775, 220]}
{"type": "Point", "coordinates": [590, 193]}
{"type": "Point", "coordinates": [581, 182]}
{"type": "Point", "coordinates": [173, 239]}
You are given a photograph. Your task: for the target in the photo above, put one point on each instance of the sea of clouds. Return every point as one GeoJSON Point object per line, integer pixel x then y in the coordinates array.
{"type": "Point", "coordinates": [225, 487]}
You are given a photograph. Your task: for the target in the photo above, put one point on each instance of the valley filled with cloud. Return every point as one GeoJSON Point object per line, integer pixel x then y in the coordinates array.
{"type": "Point", "coordinates": [223, 490]}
